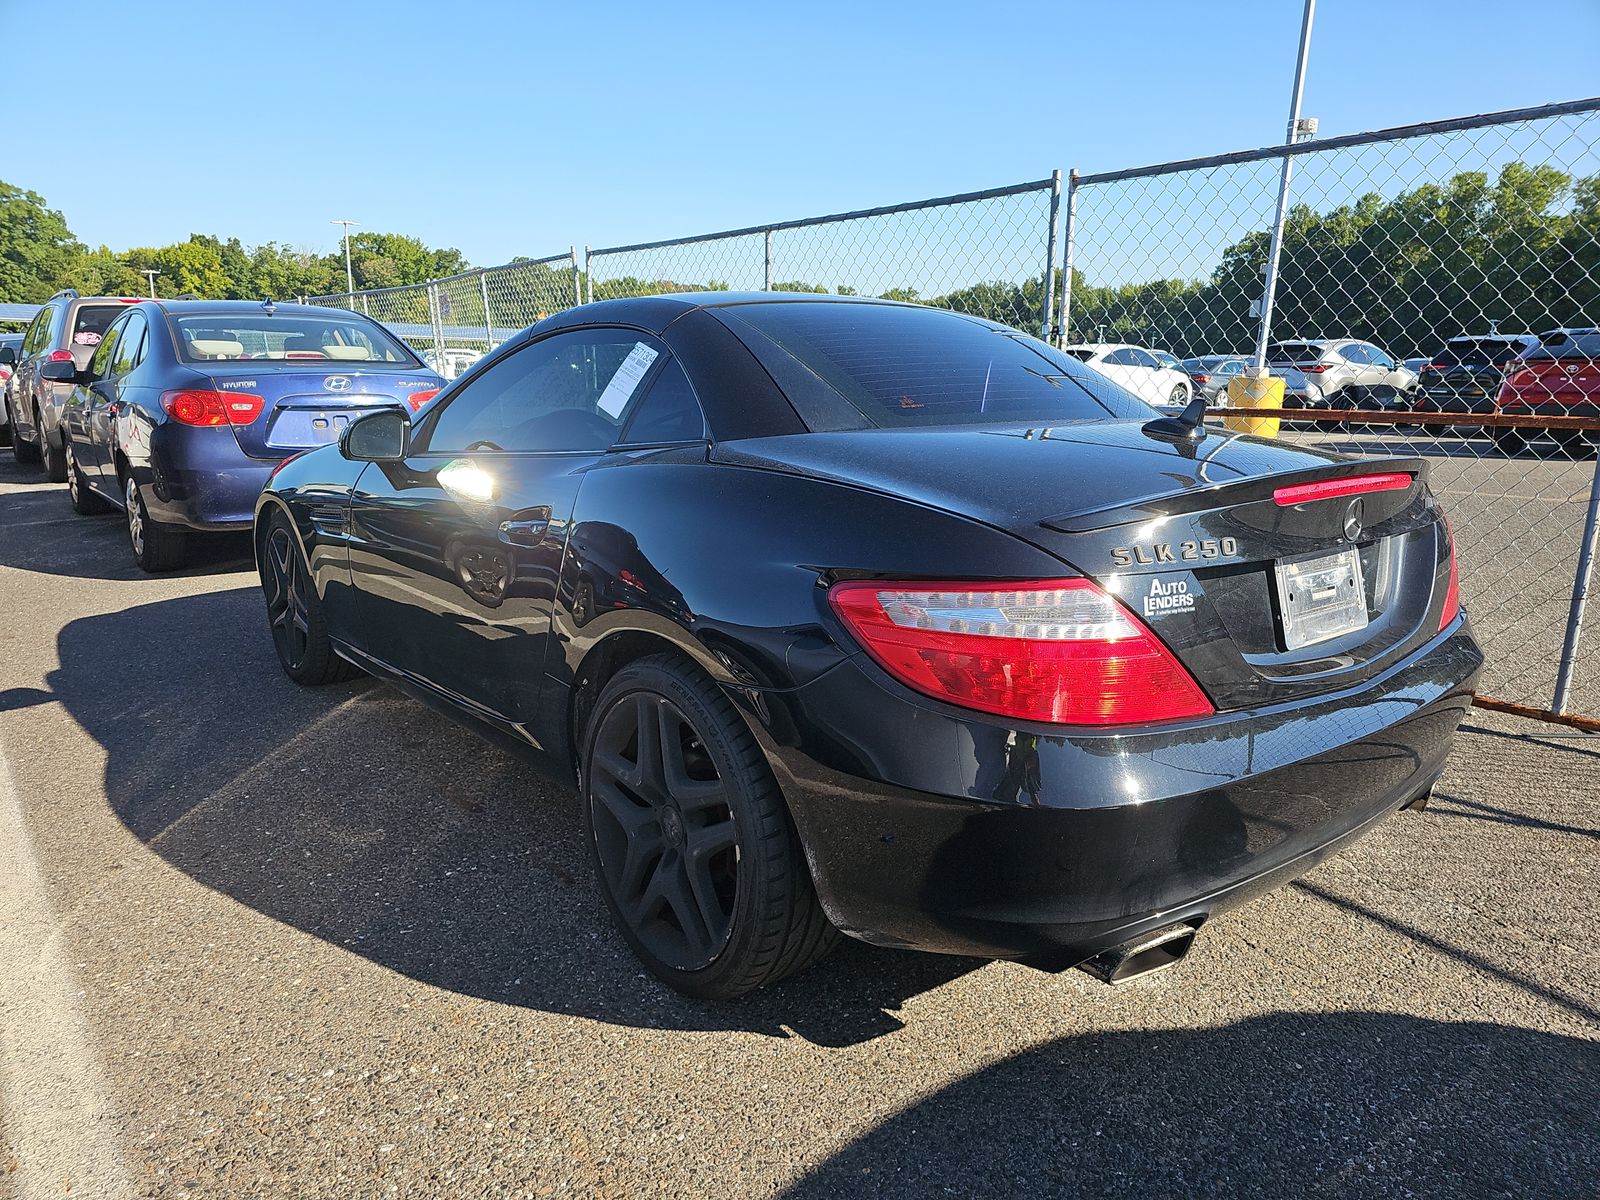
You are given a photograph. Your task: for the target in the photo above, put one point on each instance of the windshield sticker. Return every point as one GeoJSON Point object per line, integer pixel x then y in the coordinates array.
{"type": "Point", "coordinates": [623, 384]}
{"type": "Point", "coordinates": [86, 337]}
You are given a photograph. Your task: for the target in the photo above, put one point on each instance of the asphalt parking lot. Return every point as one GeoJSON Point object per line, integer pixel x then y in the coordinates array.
{"type": "Point", "coordinates": [260, 941]}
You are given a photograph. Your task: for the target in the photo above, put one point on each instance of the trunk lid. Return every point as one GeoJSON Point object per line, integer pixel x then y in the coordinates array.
{"type": "Point", "coordinates": [1191, 541]}
{"type": "Point", "coordinates": [308, 405]}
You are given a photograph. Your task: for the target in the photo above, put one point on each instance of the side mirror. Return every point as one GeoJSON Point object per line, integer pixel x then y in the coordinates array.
{"type": "Point", "coordinates": [7, 356]}
{"type": "Point", "coordinates": [60, 372]}
{"type": "Point", "coordinates": [376, 437]}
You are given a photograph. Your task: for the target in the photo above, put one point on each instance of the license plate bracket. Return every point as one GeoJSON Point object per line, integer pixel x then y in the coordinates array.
{"type": "Point", "coordinates": [1321, 597]}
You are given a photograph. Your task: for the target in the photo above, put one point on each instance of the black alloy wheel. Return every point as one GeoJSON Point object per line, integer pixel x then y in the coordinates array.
{"type": "Point", "coordinates": [294, 610]}
{"type": "Point", "coordinates": [697, 858]}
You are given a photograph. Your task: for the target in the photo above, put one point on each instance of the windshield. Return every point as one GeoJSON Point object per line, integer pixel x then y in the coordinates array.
{"type": "Point", "coordinates": [1567, 345]}
{"type": "Point", "coordinates": [904, 367]}
{"type": "Point", "coordinates": [1295, 352]}
{"type": "Point", "coordinates": [232, 337]}
{"type": "Point", "coordinates": [1478, 352]}
{"type": "Point", "coordinates": [90, 322]}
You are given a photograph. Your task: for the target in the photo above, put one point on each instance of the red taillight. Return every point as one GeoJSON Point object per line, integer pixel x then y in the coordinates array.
{"type": "Point", "coordinates": [203, 408]}
{"type": "Point", "coordinates": [59, 356]}
{"type": "Point", "coordinates": [1061, 650]}
{"type": "Point", "coordinates": [1352, 485]}
{"type": "Point", "coordinates": [417, 399]}
{"type": "Point", "coordinates": [1201, 378]}
{"type": "Point", "coordinates": [1452, 590]}
{"type": "Point", "coordinates": [1313, 369]}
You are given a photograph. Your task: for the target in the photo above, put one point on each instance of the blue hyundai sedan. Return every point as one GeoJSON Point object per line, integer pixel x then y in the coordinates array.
{"type": "Point", "coordinates": [188, 406]}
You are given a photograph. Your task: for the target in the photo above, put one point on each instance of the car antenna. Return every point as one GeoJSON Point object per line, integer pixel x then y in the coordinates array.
{"type": "Point", "coordinates": [269, 305]}
{"type": "Point", "coordinates": [1185, 429]}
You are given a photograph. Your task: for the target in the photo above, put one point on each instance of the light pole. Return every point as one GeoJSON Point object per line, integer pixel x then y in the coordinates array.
{"type": "Point", "coordinates": [349, 275]}
{"type": "Point", "coordinates": [1269, 289]}
{"type": "Point", "coordinates": [151, 276]}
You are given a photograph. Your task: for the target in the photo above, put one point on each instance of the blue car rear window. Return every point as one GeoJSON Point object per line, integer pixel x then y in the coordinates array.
{"type": "Point", "coordinates": [902, 367]}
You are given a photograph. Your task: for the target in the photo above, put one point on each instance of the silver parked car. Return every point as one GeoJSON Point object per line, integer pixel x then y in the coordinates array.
{"type": "Point", "coordinates": [1211, 373]}
{"type": "Point", "coordinates": [1348, 372]}
{"type": "Point", "coordinates": [67, 328]}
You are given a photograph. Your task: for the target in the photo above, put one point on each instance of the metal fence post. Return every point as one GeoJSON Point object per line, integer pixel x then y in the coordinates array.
{"type": "Point", "coordinates": [1270, 288]}
{"type": "Point", "coordinates": [767, 273]}
{"type": "Point", "coordinates": [1066, 265]}
{"type": "Point", "coordinates": [437, 319]}
{"type": "Point", "coordinates": [577, 278]}
{"type": "Point", "coordinates": [1049, 315]}
{"type": "Point", "coordinates": [488, 321]}
{"type": "Point", "coordinates": [1580, 596]}
{"type": "Point", "coordinates": [588, 275]}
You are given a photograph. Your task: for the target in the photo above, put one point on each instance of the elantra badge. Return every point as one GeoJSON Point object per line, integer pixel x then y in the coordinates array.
{"type": "Point", "coordinates": [337, 383]}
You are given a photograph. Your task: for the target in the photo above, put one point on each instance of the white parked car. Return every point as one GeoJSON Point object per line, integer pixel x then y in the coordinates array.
{"type": "Point", "coordinates": [452, 362]}
{"type": "Point", "coordinates": [1145, 373]}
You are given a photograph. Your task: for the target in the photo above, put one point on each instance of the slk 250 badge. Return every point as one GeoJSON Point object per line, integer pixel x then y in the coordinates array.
{"type": "Point", "coordinates": [1168, 552]}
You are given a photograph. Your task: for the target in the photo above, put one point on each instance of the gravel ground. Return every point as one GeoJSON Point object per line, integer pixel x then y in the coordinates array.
{"type": "Point", "coordinates": [274, 942]}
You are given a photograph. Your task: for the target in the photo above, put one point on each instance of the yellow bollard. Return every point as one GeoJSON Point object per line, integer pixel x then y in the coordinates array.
{"type": "Point", "coordinates": [1250, 391]}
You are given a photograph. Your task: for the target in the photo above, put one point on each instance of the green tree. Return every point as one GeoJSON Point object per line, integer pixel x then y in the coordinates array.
{"type": "Point", "coordinates": [37, 250]}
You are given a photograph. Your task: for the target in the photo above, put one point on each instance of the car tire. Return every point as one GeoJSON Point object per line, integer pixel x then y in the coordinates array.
{"type": "Point", "coordinates": [53, 457]}
{"type": "Point", "coordinates": [295, 615]}
{"type": "Point", "coordinates": [23, 452]}
{"type": "Point", "coordinates": [1179, 395]}
{"type": "Point", "coordinates": [744, 915]}
{"type": "Point", "coordinates": [86, 502]}
{"type": "Point", "coordinates": [1510, 441]}
{"type": "Point", "coordinates": [156, 545]}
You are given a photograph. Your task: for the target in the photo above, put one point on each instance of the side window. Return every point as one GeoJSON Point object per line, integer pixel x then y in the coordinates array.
{"type": "Point", "coordinates": [1356, 352]}
{"type": "Point", "coordinates": [1143, 358]}
{"type": "Point", "coordinates": [100, 362]}
{"type": "Point", "coordinates": [130, 342]}
{"type": "Point", "coordinates": [1231, 367]}
{"type": "Point", "coordinates": [1379, 358]}
{"type": "Point", "coordinates": [1121, 358]}
{"type": "Point", "coordinates": [668, 412]}
{"type": "Point", "coordinates": [38, 331]}
{"type": "Point", "coordinates": [565, 392]}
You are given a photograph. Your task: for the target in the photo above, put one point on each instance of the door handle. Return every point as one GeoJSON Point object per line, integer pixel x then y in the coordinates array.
{"type": "Point", "coordinates": [526, 530]}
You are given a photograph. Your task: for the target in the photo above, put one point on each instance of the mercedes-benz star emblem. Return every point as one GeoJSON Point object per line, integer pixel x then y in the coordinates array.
{"type": "Point", "coordinates": [1352, 520]}
{"type": "Point", "coordinates": [337, 383]}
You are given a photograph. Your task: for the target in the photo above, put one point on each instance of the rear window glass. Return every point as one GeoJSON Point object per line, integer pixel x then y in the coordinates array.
{"type": "Point", "coordinates": [1567, 345]}
{"type": "Point", "coordinates": [1295, 352]}
{"type": "Point", "coordinates": [91, 321]}
{"type": "Point", "coordinates": [908, 367]}
{"type": "Point", "coordinates": [222, 337]}
{"type": "Point", "coordinates": [1478, 352]}
{"type": "Point", "coordinates": [1081, 353]}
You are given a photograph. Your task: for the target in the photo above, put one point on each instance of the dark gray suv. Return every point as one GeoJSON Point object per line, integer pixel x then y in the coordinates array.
{"type": "Point", "coordinates": [59, 343]}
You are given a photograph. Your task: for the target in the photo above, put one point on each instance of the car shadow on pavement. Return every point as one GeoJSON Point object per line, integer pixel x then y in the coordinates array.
{"type": "Point", "coordinates": [40, 532]}
{"type": "Point", "coordinates": [363, 818]}
{"type": "Point", "coordinates": [1290, 1104]}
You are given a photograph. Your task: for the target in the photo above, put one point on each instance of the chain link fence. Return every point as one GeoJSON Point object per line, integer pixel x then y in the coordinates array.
{"type": "Point", "coordinates": [1423, 274]}
{"type": "Point", "coordinates": [992, 253]}
{"type": "Point", "coordinates": [1418, 269]}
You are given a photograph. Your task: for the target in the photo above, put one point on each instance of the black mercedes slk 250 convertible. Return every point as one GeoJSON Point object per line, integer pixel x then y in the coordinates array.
{"type": "Point", "coordinates": [849, 615]}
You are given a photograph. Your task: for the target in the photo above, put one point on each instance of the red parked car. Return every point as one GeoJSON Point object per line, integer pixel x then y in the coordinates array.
{"type": "Point", "coordinates": [1560, 377]}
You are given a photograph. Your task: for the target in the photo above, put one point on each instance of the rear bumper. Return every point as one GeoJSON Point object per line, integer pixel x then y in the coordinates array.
{"type": "Point", "coordinates": [960, 836]}
{"type": "Point", "coordinates": [199, 478]}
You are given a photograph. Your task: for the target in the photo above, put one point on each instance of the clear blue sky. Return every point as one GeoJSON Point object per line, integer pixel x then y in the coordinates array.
{"type": "Point", "coordinates": [517, 128]}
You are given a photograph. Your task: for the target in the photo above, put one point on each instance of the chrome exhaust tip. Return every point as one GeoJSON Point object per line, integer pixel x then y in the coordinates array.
{"type": "Point", "coordinates": [1143, 955]}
